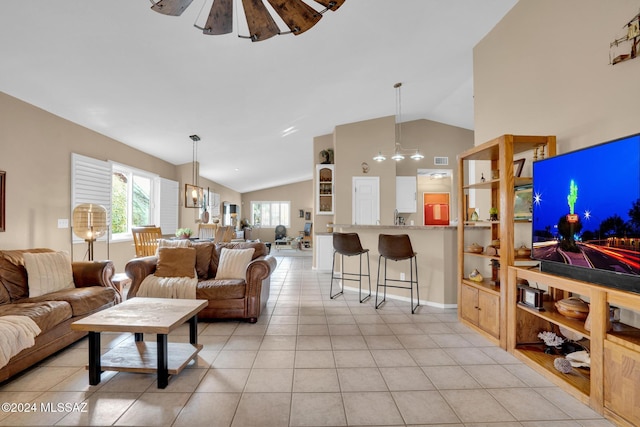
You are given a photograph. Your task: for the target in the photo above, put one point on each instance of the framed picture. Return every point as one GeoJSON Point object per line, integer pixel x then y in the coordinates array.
{"type": "Point", "coordinates": [3, 176]}
{"type": "Point", "coordinates": [523, 206]}
{"type": "Point", "coordinates": [307, 216]}
{"type": "Point", "coordinates": [214, 207]}
{"type": "Point", "coordinates": [517, 167]}
{"type": "Point", "coordinates": [193, 196]}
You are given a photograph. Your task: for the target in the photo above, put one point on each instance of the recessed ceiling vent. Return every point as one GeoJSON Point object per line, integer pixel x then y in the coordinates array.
{"type": "Point", "coordinates": [441, 161]}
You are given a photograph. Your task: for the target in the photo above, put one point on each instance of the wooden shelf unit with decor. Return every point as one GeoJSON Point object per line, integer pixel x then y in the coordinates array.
{"type": "Point", "coordinates": [325, 190]}
{"type": "Point", "coordinates": [482, 304]}
{"type": "Point", "coordinates": [611, 385]}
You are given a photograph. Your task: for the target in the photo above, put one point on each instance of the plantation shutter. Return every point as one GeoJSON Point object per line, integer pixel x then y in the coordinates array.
{"type": "Point", "coordinates": [168, 199]}
{"type": "Point", "coordinates": [90, 183]}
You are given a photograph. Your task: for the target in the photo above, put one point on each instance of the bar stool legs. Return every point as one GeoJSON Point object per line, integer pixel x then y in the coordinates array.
{"type": "Point", "coordinates": [348, 244]}
{"type": "Point", "coordinates": [397, 248]}
{"type": "Point", "coordinates": [344, 277]}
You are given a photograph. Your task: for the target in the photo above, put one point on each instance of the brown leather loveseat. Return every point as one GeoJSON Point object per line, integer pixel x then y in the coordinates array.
{"type": "Point", "coordinates": [53, 312]}
{"type": "Point", "coordinates": [228, 298]}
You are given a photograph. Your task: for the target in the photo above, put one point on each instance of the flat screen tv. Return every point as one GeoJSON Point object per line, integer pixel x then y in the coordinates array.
{"type": "Point", "coordinates": [586, 214]}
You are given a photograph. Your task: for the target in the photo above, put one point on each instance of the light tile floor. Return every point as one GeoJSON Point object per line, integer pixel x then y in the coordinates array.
{"type": "Point", "coordinates": [309, 361]}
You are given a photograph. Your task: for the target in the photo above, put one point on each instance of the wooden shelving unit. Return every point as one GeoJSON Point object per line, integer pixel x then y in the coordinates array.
{"type": "Point", "coordinates": [325, 190]}
{"type": "Point", "coordinates": [610, 386]}
{"type": "Point", "coordinates": [499, 154]}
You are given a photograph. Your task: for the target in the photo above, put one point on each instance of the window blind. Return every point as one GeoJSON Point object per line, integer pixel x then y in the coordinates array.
{"type": "Point", "coordinates": [90, 183]}
{"type": "Point", "coordinates": [168, 198]}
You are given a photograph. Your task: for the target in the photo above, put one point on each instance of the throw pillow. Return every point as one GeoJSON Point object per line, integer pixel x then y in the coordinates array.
{"type": "Point", "coordinates": [233, 263]}
{"type": "Point", "coordinates": [48, 272]}
{"type": "Point", "coordinates": [176, 262]}
{"type": "Point", "coordinates": [203, 258]}
{"type": "Point", "coordinates": [173, 243]}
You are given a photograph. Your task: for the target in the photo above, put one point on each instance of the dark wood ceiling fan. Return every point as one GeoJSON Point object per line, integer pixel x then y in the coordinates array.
{"type": "Point", "coordinates": [297, 15]}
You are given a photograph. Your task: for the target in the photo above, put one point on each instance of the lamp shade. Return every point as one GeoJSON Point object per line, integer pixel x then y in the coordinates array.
{"type": "Point", "coordinates": [89, 221]}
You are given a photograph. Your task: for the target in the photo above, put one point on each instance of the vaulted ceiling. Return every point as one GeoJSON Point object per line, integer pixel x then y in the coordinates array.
{"type": "Point", "coordinates": [151, 80]}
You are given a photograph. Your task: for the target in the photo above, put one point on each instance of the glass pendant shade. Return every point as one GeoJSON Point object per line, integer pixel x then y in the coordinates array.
{"type": "Point", "coordinates": [379, 157]}
{"type": "Point", "coordinates": [89, 221]}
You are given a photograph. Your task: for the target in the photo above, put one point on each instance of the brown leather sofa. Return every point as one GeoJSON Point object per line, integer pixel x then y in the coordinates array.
{"type": "Point", "coordinates": [228, 298]}
{"type": "Point", "coordinates": [53, 312]}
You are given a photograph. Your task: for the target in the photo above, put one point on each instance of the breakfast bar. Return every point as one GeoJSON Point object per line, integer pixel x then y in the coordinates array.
{"type": "Point", "coordinates": [436, 257]}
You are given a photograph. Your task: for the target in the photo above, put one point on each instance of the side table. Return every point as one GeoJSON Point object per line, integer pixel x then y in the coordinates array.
{"type": "Point", "coordinates": [121, 280]}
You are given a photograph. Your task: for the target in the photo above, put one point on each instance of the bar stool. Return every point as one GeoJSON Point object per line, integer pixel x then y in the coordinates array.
{"type": "Point", "coordinates": [348, 244]}
{"type": "Point", "coordinates": [397, 247]}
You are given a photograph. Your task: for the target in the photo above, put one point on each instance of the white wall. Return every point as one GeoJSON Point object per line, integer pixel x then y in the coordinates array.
{"type": "Point", "coordinates": [544, 70]}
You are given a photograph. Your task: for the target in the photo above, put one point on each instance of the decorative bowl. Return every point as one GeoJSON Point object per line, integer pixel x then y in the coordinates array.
{"type": "Point", "coordinates": [475, 248]}
{"type": "Point", "coordinates": [573, 308]}
{"type": "Point", "coordinates": [491, 251]}
{"type": "Point", "coordinates": [523, 252]}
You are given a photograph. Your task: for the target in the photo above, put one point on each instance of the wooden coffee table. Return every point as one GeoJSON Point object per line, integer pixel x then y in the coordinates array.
{"type": "Point", "coordinates": [138, 315]}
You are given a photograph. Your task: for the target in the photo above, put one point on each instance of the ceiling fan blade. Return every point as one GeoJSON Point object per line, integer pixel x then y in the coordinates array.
{"type": "Point", "coordinates": [261, 24]}
{"type": "Point", "coordinates": [220, 20]}
{"type": "Point", "coordinates": [171, 7]}
{"type": "Point", "coordinates": [298, 15]}
{"type": "Point", "coordinates": [331, 4]}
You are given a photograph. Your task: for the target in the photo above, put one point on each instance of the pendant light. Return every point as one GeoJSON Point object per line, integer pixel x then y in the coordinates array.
{"type": "Point", "coordinates": [193, 193]}
{"type": "Point", "coordinates": [399, 153]}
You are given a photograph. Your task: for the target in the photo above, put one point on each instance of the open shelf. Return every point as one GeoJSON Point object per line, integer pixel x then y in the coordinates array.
{"type": "Point", "coordinates": [578, 378]}
{"type": "Point", "coordinates": [483, 255]}
{"type": "Point", "coordinates": [490, 183]}
{"type": "Point", "coordinates": [550, 314]}
{"type": "Point", "coordinates": [485, 285]}
{"type": "Point", "coordinates": [625, 335]}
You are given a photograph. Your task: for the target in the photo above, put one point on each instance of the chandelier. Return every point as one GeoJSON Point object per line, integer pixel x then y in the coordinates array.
{"type": "Point", "coordinates": [297, 15]}
{"type": "Point", "coordinates": [399, 153]}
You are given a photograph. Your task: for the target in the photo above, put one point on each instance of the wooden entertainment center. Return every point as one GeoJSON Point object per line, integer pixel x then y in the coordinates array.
{"type": "Point", "coordinates": [611, 384]}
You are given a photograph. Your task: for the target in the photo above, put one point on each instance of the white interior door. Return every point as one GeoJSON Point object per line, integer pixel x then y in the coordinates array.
{"type": "Point", "coordinates": [365, 198]}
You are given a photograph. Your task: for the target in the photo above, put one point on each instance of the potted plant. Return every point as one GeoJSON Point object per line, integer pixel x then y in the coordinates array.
{"type": "Point", "coordinates": [183, 233]}
{"type": "Point", "coordinates": [493, 214]}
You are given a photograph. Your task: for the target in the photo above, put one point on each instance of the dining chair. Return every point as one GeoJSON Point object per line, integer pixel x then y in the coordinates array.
{"type": "Point", "coordinates": [145, 240]}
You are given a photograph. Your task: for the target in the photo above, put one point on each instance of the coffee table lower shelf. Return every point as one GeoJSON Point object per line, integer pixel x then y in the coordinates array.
{"type": "Point", "coordinates": [141, 357]}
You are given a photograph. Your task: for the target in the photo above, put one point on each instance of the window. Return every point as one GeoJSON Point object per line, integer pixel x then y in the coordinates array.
{"type": "Point", "coordinates": [131, 196]}
{"type": "Point", "coordinates": [270, 214]}
{"type": "Point", "coordinates": [131, 200]}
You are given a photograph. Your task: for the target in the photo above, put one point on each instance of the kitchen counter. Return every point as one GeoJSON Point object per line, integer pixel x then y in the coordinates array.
{"type": "Point", "coordinates": [397, 227]}
{"type": "Point", "coordinates": [436, 256]}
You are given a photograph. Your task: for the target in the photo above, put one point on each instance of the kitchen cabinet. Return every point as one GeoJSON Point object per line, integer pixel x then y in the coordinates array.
{"type": "Point", "coordinates": [406, 194]}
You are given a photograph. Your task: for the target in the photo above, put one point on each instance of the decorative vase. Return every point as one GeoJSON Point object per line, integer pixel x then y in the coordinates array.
{"type": "Point", "coordinates": [205, 216]}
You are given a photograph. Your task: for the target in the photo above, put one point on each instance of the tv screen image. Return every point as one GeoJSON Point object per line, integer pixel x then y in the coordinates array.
{"type": "Point", "coordinates": [586, 213]}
